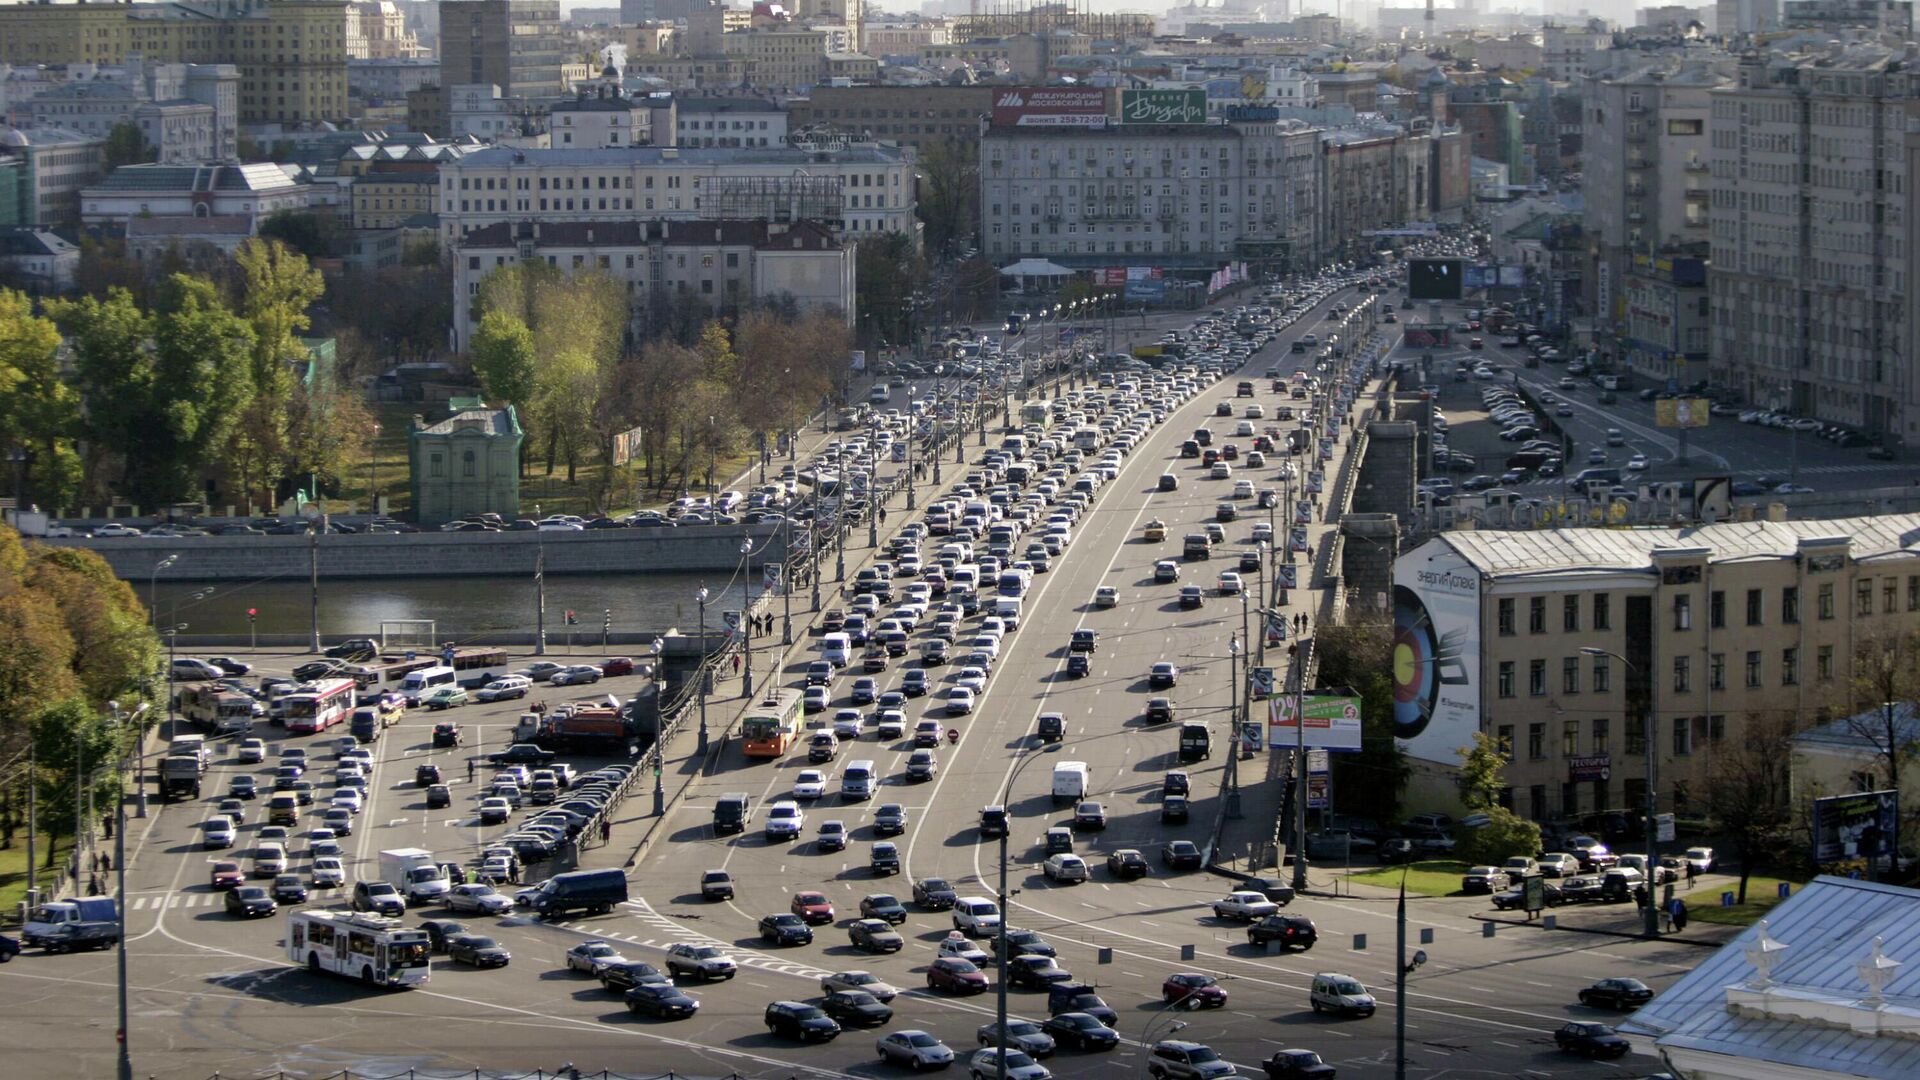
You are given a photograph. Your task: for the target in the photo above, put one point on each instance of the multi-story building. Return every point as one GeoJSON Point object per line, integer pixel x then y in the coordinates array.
{"type": "Point", "coordinates": [695, 72]}
{"type": "Point", "coordinates": [251, 192]}
{"type": "Point", "coordinates": [1736, 18]}
{"type": "Point", "coordinates": [175, 131]}
{"type": "Point", "coordinates": [1874, 16]}
{"type": "Point", "coordinates": [290, 54]}
{"type": "Point", "coordinates": [56, 165]}
{"type": "Point", "coordinates": [1809, 236]}
{"type": "Point", "coordinates": [391, 78]}
{"type": "Point", "coordinates": [728, 121]}
{"type": "Point", "coordinates": [1180, 196]}
{"type": "Point", "coordinates": [858, 190]}
{"type": "Point", "coordinates": [1647, 150]}
{"type": "Point", "coordinates": [917, 116]}
{"type": "Point", "coordinates": [1566, 52]}
{"type": "Point", "coordinates": [609, 118]}
{"type": "Point", "coordinates": [723, 263]}
{"type": "Point", "coordinates": [377, 30]}
{"type": "Point", "coordinates": [37, 259]}
{"type": "Point", "coordinates": [1384, 176]}
{"type": "Point", "coordinates": [787, 60]}
{"type": "Point", "coordinates": [901, 39]}
{"type": "Point", "coordinates": [515, 45]}
{"type": "Point", "coordinates": [1693, 633]}
{"type": "Point", "coordinates": [1666, 325]}
{"type": "Point", "coordinates": [388, 200]}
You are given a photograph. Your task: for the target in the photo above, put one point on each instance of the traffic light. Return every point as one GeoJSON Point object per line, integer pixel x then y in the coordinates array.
{"type": "Point", "coordinates": [573, 619]}
{"type": "Point", "coordinates": [608, 624]}
{"type": "Point", "coordinates": [252, 613]}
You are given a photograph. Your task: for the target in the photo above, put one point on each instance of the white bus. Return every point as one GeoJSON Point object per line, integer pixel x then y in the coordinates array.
{"type": "Point", "coordinates": [372, 948]}
{"type": "Point", "coordinates": [318, 705]}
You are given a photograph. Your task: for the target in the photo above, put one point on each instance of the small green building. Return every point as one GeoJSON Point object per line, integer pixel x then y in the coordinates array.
{"type": "Point", "coordinates": [468, 463]}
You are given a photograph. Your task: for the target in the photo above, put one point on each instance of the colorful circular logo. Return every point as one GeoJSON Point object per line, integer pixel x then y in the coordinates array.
{"type": "Point", "coordinates": [1416, 675]}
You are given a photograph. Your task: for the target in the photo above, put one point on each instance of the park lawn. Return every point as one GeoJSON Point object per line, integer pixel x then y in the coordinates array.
{"type": "Point", "coordinates": [1763, 893]}
{"type": "Point", "coordinates": [13, 868]}
{"type": "Point", "coordinates": [1433, 877]}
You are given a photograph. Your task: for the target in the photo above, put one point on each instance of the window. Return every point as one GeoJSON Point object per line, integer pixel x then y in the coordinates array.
{"type": "Point", "coordinates": [1754, 606]}
{"type": "Point", "coordinates": [1682, 736]}
{"type": "Point", "coordinates": [1716, 727]}
{"type": "Point", "coordinates": [1636, 744]}
{"type": "Point", "coordinates": [1683, 612]}
{"type": "Point", "coordinates": [1537, 615]}
{"type": "Point", "coordinates": [1717, 671]}
{"type": "Point", "coordinates": [1753, 669]}
{"type": "Point", "coordinates": [1602, 674]}
{"type": "Point", "coordinates": [1602, 612]}
{"type": "Point", "coordinates": [1823, 663]}
{"type": "Point", "coordinates": [1913, 592]}
{"type": "Point", "coordinates": [436, 465]}
{"type": "Point", "coordinates": [1602, 734]}
{"type": "Point", "coordinates": [1537, 677]}
{"type": "Point", "coordinates": [1824, 601]}
{"type": "Point", "coordinates": [1506, 616]}
{"type": "Point", "coordinates": [1536, 741]}
{"type": "Point", "coordinates": [1503, 738]}
{"type": "Point", "coordinates": [1889, 590]}
{"type": "Point", "coordinates": [1506, 678]}
{"type": "Point", "coordinates": [1790, 604]}
{"type": "Point", "coordinates": [1789, 666]}
{"type": "Point", "coordinates": [1863, 597]}
{"type": "Point", "coordinates": [1716, 609]}
{"type": "Point", "coordinates": [466, 463]}
{"type": "Point", "coordinates": [1570, 675]}
{"type": "Point", "coordinates": [1682, 674]}
{"type": "Point", "coordinates": [1569, 738]}
{"type": "Point", "coordinates": [1570, 614]}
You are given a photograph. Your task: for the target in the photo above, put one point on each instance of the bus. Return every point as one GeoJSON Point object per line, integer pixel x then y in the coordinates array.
{"type": "Point", "coordinates": [772, 725]}
{"type": "Point", "coordinates": [1035, 412]}
{"type": "Point", "coordinates": [385, 674]}
{"type": "Point", "coordinates": [318, 705]}
{"type": "Point", "coordinates": [377, 950]}
{"type": "Point", "coordinates": [477, 667]}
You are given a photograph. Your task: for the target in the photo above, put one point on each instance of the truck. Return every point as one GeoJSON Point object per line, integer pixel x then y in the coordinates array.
{"type": "Point", "coordinates": [193, 746]}
{"type": "Point", "coordinates": [51, 920]}
{"type": "Point", "coordinates": [1069, 782]}
{"type": "Point", "coordinates": [218, 708]}
{"type": "Point", "coordinates": [179, 777]}
{"type": "Point", "coordinates": [595, 727]}
{"type": "Point", "coordinates": [415, 874]}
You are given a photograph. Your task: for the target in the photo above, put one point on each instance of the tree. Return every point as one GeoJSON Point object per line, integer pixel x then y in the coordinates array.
{"type": "Point", "coordinates": [1360, 656]}
{"type": "Point", "coordinates": [887, 270]}
{"type": "Point", "coordinates": [1886, 671]}
{"type": "Point", "coordinates": [126, 146]}
{"type": "Point", "coordinates": [273, 289]}
{"type": "Point", "coordinates": [949, 202]}
{"type": "Point", "coordinates": [1750, 791]}
{"type": "Point", "coordinates": [1504, 833]}
{"type": "Point", "coordinates": [113, 372]}
{"type": "Point", "coordinates": [329, 431]}
{"type": "Point", "coordinates": [317, 236]}
{"type": "Point", "coordinates": [115, 654]}
{"type": "Point", "coordinates": [661, 380]}
{"type": "Point", "coordinates": [78, 754]}
{"type": "Point", "coordinates": [201, 384]}
{"type": "Point", "coordinates": [39, 411]}
{"type": "Point", "coordinates": [503, 358]}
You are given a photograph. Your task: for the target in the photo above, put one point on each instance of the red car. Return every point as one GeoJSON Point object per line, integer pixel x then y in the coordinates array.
{"type": "Point", "coordinates": [227, 875]}
{"type": "Point", "coordinates": [1192, 990]}
{"type": "Point", "coordinates": [813, 907]}
{"type": "Point", "coordinates": [952, 974]}
{"type": "Point", "coordinates": [1476, 343]}
{"type": "Point", "coordinates": [616, 665]}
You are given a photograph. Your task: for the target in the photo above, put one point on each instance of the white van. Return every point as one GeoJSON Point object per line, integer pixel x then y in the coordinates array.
{"type": "Point", "coordinates": [1340, 994]}
{"type": "Point", "coordinates": [1070, 781]}
{"type": "Point", "coordinates": [879, 395]}
{"type": "Point", "coordinates": [423, 682]}
{"type": "Point", "coordinates": [856, 782]}
{"type": "Point", "coordinates": [1013, 583]}
{"type": "Point", "coordinates": [965, 576]}
{"type": "Point", "coordinates": [836, 649]}
{"type": "Point", "coordinates": [728, 501]}
{"type": "Point", "coordinates": [269, 859]}
{"type": "Point", "coordinates": [1007, 610]}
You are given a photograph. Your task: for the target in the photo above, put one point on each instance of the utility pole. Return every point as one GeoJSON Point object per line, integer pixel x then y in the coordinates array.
{"type": "Point", "coordinates": [1301, 651]}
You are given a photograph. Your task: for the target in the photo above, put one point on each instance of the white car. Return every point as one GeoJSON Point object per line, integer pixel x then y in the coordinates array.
{"type": "Point", "coordinates": [251, 751]}
{"type": "Point", "coordinates": [959, 945]}
{"type": "Point", "coordinates": [815, 698]}
{"type": "Point", "coordinates": [347, 797]}
{"type": "Point", "coordinates": [504, 689]}
{"type": "Point", "coordinates": [1106, 596]}
{"type": "Point", "coordinates": [328, 873]}
{"type": "Point", "coordinates": [1066, 867]}
{"type": "Point", "coordinates": [985, 1065]}
{"type": "Point", "coordinates": [576, 675]}
{"type": "Point", "coordinates": [1245, 905]}
{"type": "Point", "coordinates": [811, 784]}
{"type": "Point", "coordinates": [785, 821]}
{"type": "Point", "coordinates": [971, 678]}
{"type": "Point", "coordinates": [114, 528]}
{"type": "Point", "coordinates": [865, 981]}
{"type": "Point", "coordinates": [959, 700]}
{"type": "Point", "coordinates": [915, 1049]}
{"type": "Point", "coordinates": [1229, 583]}
{"type": "Point", "coordinates": [217, 832]}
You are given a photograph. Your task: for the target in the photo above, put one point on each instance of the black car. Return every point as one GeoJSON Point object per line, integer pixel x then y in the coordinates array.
{"type": "Point", "coordinates": [250, 901]}
{"type": "Point", "coordinates": [1174, 810]}
{"type": "Point", "coordinates": [1297, 1065]}
{"type": "Point", "coordinates": [785, 928]}
{"type": "Point", "coordinates": [481, 952]}
{"type": "Point", "coordinates": [445, 735]}
{"type": "Point", "coordinates": [86, 936]}
{"type": "Point", "coordinates": [439, 796]}
{"type": "Point", "coordinates": [1181, 855]}
{"type": "Point", "coordinates": [1079, 665]}
{"type": "Point", "coordinates": [884, 859]}
{"type": "Point", "coordinates": [441, 931]}
{"type": "Point", "coordinates": [1515, 899]}
{"type": "Point", "coordinates": [934, 894]}
{"type": "Point", "coordinates": [288, 889]}
{"type": "Point", "coordinates": [883, 906]}
{"type": "Point", "coordinates": [353, 649]}
{"type": "Point", "coordinates": [1291, 931]}
{"type": "Point", "coordinates": [663, 1000]}
{"type": "Point", "coordinates": [799, 1020]}
{"type": "Point", "coordinates": [1026, 943]}
{"type": "Point", "coordinates": [1616, 994]}
{"type": "Point", "coordinates": [9, 948]}
{"type": "Point", "coordinates": [1592, 1040]}
{"type": "Point", "coordinates": [1397, 850]}
{"type": "Point", "coordinates": [1127, 864]}
{"type": "Point", "coordinates": [243, 786]}
{"type": "Point", "coordinates": [1052, 727]}
{"type": "Point", "coordinates": [856, 1008]}
{"type": "Point", "coordinates": [628, 974]}
{"type": "Point", "coordinates": [427, 774]}
{"type": "Point", "coordinates": [315, 669]}
{"type": "Point", "coordinates": [874, 936]}
{"type": "Point", "coordinates": [1080, 1031]}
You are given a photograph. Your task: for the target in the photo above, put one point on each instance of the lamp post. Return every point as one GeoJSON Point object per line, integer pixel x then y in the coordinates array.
{"type": "Point", "coordinates": [373, 474]}
{"type": "Point", "coordinates": [874, 498]}
{"type": "Point", "coordinates": [316, 524]}
{"type": "Point", "coordinates": [786, 575]}
{"type": "Point", "coordinates": [153, 584]}
{"type": "Point", "coordinates": [140, 781]}
{"type": "Point", "coordinates": [913, 431]}
{"type": "Point", "coordinates": [1649, 726]}
{"type": "Point", "coordinates": [701, 596]}
{"type": "Point", "coordinates": [1003, 894]}
{"type": "Point", "coordinates": [746, 617]}
{"type": "Point", "coordinates": [1236, 716]}
{"type": "Point", "coordinates": [125, 1064]}
{"type": "Point", "coordinates": [1146, 1034]}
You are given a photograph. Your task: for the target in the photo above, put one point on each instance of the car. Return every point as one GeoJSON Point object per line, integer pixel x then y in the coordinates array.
{"type": "Point", "coordinates": [1701, 859]}
{"type": "Point", "coordinates": [1515, 898]}
{"type": "Point", "coordinates": [856, 1008]}
{"type": "Point", "coordinates": [662, 1000]}
{"type": "Point", "coordinates": [810, 784]}
{"type": "Point", "coordinates": [812, 906]}
{"type": "Point", "coordinates": [478, 900]}
{"type": "Point", "coordinates": [1617, 994]}
{"type": "Point", "coordinates": [1180, 855]}
{"type": "Point", "coordinates": [960, 700]}
{"type": "Point", "coordinates": [798, 1020]}
{"type": "Point", "coordinates": [251, 751]}
{"type": "Point", "coordinates": [1081, 1031]}
{"type": "Point", "coordinates": [328, 872]}
{"type": "Point", "coordinates": [1193, 990]}
{"type": "Point", "coordinates": [250, 901]}
{"type": "Point", "coordinates": [1019, 1065]}
{"type": "Point", "coordinates": [1165, 571]}
{"type": "Point", "coordinates": [862, 981]}
{"type": "Point", "coordinates": [1637, 463]}
{"type": "Point", "coordinates": [934, 894]}
{"type": "Point", "coordinates": [915, 1049]}
{"type": "Point", "coordinates": [1163, 675]}
{"type": "Point", "coordinates": [1297, 1065]}
{"type": "Point", "coordinates": [1089, 816]}
{"type": "Point", "coordinates": [890, 820]}
{"type": "Point", "coordinates": [1483, 879]}
{"type": "Point", "coordinates": [1065, 867]}
{"type": "Point", "coordinates": [624, 975]}
{"type": "Point", "coordinates": [592, 957]}
{"type": "Point", "coordinates": [1590, 1040]}
{"type": "Point", "coordinates": [784, 821]}
{"type": "Point", "coordinates": [1244, 905]}
{"type": "Point", "coordinates": [480, 952]}
{"type": "Point", "coordinates": [445, 697]}
{"type": "Point", "coordinates": [1291, 931]}
{"type": "Point", "coordinates": [1558, 864]}
{"type": "Point", "coordinates": [1159, 710]}
{"type": "Point", "coordinates": [914, 682]}
{"type": "Point", "coordinates": [954, 975]}
{"type": "Point", "coordinates": [504, 689]}
{"type": "Point", "coordinates": [540, 670]}
{"type": "Point", "coordinates": [1126, 864]}
{"type": "Point", "coordinates": [699, 959]}
{"type": "Point", "coordinates": [1177, 1059]}
{"type": "Point", "coordinates": [1106, 596]}
{"type": "Point", "coordinates": [379, 897]}
{"type": "Point", "coordinates": [785, 929]}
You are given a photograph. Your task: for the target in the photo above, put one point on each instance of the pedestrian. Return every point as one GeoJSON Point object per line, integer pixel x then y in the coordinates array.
{"type": "Point", "coordinates": [1679, 914]}
{"type": "Point", "coordinates": [470, 770]}
{"type": "Point", "coordinates": [1692, 872]}
{"type": "Point", "coordinates": [107, 824]}
{"type": "Point", "coordinates": [106, 863]}
{"type": "Point", "coordinates": [883, 517]}
{"type": "Point", "coordinates": [93, 885]}
{"type": "Point", "coordinates": [96, 862]}
{"type": "Point", "coordinates": [606, 830]}
{"type": "Point", "coordinates": [736, 663]}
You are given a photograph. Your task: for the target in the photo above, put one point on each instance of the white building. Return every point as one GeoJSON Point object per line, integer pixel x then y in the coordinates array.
{"type": "Point", "coordinates": [60, 164]}
{"type": "Point", "coordinates": [189, 191]}
{"type": "Point", "coordinates": [858, 190]}
{"type": "Point", "coordinates": [1566, 52]}
{"type": "Point", "coordinates": [725, 264]}
{"type": "Point", "coordinates": [729, 122]}
{"type": "Point", "coordinates": [37, 259]}
{"type": "Point", "coordinates": [187, 113]}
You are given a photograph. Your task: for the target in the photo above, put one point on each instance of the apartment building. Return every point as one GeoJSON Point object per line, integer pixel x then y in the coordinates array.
{"type": "Point", "coordinates": [291, 54]}
{"type": "Point", "coordinates": [728, 121]}
{"type": "Point", "coordinates": [1699, 631]}
{"type": "Point", "coordinates": [1647, 189]}
{"type": "Point", "coordinates": [917, 116]}
{"type": "Point", "coordinates": [723, 264]}
{"type": "Point", "coordinates": [1808, 229]}
{"type": "Point", "coordinates": [609, 118]}
{"type": "Point", "coordinates": [515, 45]}
{"type": "Point", "coordinates": [53, 166]}
{"type": "Point", "coordinates": [857, 190]}
{"type": "Point", "coordinates": [377, 30]}
{"type": "Point", "coordinates": [1666, 319]}
{"type": "Point", "coordinates": [1179, 196]}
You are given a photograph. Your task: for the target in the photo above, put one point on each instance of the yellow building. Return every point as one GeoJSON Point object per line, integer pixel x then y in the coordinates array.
{"type": "Point", "coordinates": [782, 59]}
{"type": "Point", "coordinates": [386, 200]}
{"type": "Point", "coordinates": [292, 54]}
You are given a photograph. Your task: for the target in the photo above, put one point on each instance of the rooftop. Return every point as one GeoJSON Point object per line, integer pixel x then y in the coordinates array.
{"type": "Point", "coordinates": [1855, 733]}
{"type": "Point", "coordinates": [151, 177]}
{"type": "Point", "coordinates": [756, 233]}
{"type": "Point", "coordinates": [1548, 552]}
{"type": "Point", "coordinates": [501, 157]}
{"type": "Point", "coordinates": [488, 421]}
{"type": "Point", "coordinates": [185, 225]}
{"type": "Point", "coordinates": [24, 241]}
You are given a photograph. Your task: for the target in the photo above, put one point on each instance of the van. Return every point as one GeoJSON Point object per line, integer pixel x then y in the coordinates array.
{"type": "Point", "coordinates": [730, 813]}
{"type": "Point", "coordinates": [1196, 546]}
{"type": "Point", "coordinates": [595, 891]}
{"type": "Point", "coordinates": [283, 809]}
{"type": "Point", "coordinates": [836, 649]}
{"type": "Point", "coordinates": [1342, 995]}
{"type": "Point", "coordinates": [1616, 437]}
{"type": "Point", "coordinates": [1069, 782]}
{"type": "Point", "coordinates": [269, 859]}
{"type": "Point", "coordinates": [1196, 742]}
{"type": "Point", "coordinates": [1012, 583]}
{"type": "Point", "coordinates": [419, 684]}
{"type": "Point", "coordinates": [856, 783]}
{"type": "Point", "coordinates": [1007, 610]}
{"type": "Point", "coordinates": [365, 724]}
{"type": "Point", "coordinates": [879, 395]}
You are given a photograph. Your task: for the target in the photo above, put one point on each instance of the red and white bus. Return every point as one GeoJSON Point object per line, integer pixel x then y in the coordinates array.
{"type": "Point", "coordinates": [318, 705]}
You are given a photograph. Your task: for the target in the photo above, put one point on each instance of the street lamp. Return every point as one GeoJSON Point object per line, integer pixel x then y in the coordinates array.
{"type": "Point", "coordinates": [746, 616]}
{"type": "Point", "coordinates": [125, 1064]}
{"type": "Point", "coordinates": [140, 782]}
{"type": "Point", "coordinates": [1002, 894]}
{"type": "Point", "coordinates": [153, 582]}
{"type": "Point", "coordinates": [913, 431]}
{"type": "Point", "coordinates": [701, 596]}
{"type": "Point", "coordinates": [1649, 727]}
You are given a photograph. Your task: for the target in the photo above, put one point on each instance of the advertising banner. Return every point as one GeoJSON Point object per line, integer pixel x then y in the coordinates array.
{"type": "Point", "coordinates": [1857, 826]}
{"type": "Point", "coordinates": [1289, 577]}
{"type": "Point", "coordinates": [1513, 277]}
{"type": "Point", "coordinates": [1146, 289]}
{"type": "Point", "coordinates": [1261, 685]}
{"type": "Point", "coordinates": [1276, 629]}
{"type": "Point", "coordinates": [1680, 412]}
{"type": "Point", "coordinates": [1435, 279]}
{"type": "Point", "coordinates": [1164, 107]}
{"type": "Point", "coordinates": [858, 359]}
{"type": "Point", "coordinates": [770, 576]}
{"type": "Point", "coordinates": [1050, 106]}
{"type": "Point", "coordinates": [1297, 538]}
{"type": "Point", "coordinates": [1436, 632]}
{"type": "Point", "coordinates": [1303, 512]}
{"type": "Point", "coordinates": [626, 445]}
{"type": "Point", "coordinates": [1315, 481]}
{"type": "Point", "coordinates": [1111, 275]}
{"type": "Point", "coordinates": [1333, 723]}
{"type": "Point", "coordinates": [1479, 277]}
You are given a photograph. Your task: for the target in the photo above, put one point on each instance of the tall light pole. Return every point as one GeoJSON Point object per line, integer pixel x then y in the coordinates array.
{"type": "Point", "coordinates": [1003, 894]}
{"type": "Point", "coordinates": [786, 574]}
{"type": "Point", "coordinates": [701, 596]}
{"type": "Point", "coordinates": [913, 430]}
{"type": "Point", "coordinates": [153, 586]}
{"type": "Point", "coordinates": [1302, 650]}
{"type": "Point", "coordinates": [316, 524]}
{"type": "Point", "coordinates": [1650, 729]}
{"type": "Point", "coordinates": [125, 1064]}
{"type": "Point", "coordinates": [746, 616]}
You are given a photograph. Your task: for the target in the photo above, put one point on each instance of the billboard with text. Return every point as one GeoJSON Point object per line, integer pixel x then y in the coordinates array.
{"type": "Point", "coordinates": [1050, 106]}
{"type": "Point", "coordinates": [1163, 106]}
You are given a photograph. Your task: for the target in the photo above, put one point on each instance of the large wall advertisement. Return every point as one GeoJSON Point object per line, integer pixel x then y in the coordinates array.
{"type": "Point", "coordinates": [1050, 106]}
{"type": "Point", "coordinates": [1436, 652]}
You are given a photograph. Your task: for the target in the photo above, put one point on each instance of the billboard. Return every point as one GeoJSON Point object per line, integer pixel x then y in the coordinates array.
{"type": "Point", "coordinates": [1513, 277]}
{"type": "Point", "coordinates": [1681, 412]}
{"type": "Point", "coordinates": [1163, 106]}
{"type": "Point", "coordinates": [1435, 279]}
{"type": "Point", "coordinates": [1436, 635]}
{"type": "Point", "coordinates": [1333, 722]}
{"type": "Point", "coordinates": [1050, 106]}
{"type": "Point", "coordinates": [1857, 826]}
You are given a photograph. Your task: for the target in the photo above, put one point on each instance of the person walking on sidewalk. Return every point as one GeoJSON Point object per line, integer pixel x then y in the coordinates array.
{"type": "Point", "coordinates": [606, 830]}
{"type": "Point", "coordinates": [470, 770]}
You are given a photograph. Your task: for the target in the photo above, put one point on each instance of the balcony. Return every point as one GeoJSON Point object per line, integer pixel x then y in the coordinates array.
{"type": "Point", "coordinates": [1697, 166]}
{"type": "Point", "coordinates": [1636, 135]}
{"type": "Point", "coordinates": [1638, 161]}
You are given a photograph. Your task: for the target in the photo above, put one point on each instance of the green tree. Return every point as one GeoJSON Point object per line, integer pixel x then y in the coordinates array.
{"type": "Point", "coordinates": [1750, 792]}
{"type": "Point", "coordinates": [1482, 778]}
{"type": "Point", "coordinates": [1886, 670]}
{"type": "Point", "coordinates": [329, 432]}
{"type": "Point", "coordinates": [503, 358]}
{"type": "Point", "coordinates": [113, 371]}
{"type": "Point", "coordinates": [39, 412]}
{"type": "Point", "coordinates": [887, 270]}
{"type": "Point", "coordinates": [115, 654]}
{"type": "Point", "coordinates": [126, 146]}
{"type": "Point", "coordinates": [1360, 656]}
{"type": "Point", "coordinates": [78, 754]}
{"type": "Point", "coordinates": [273, 288]}
{"type": "Point", "coordinates": [317, 236]}
{"type": "Point", "coordinates": [950, 199]}
{"type": "Point", "coordinates": [202, 383]}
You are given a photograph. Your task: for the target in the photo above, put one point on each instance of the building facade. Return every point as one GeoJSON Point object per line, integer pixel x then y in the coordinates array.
{"type": "Point", "coordinates": [387, 200]}
{"type": "Point", "coordinates": [609, 119]}
{"type": "Point", "coordinates": [515, 45]}
{"type": "Point", "coordinates": [175, 131]}
{"type": "Point", "coordinates": [37, 260]}
{"type": "Point", "coordinates": [722, 264]}
{"type": "Point", "coordinates": [252, 192]}
{"type": "Point", "coordinates": [1667, 322]}
{"type": "Point", "coordinates": [728, 122]}
{"type": "Point", "coordinates": [466, 464]}
{"type": "Point", "coordinates": [917, 116]}
{"type": "Point", "coordinates": [56, 165]}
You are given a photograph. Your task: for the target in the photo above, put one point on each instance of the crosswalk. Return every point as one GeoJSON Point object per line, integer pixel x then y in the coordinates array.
{"type": "Point", "coordinates": [174, 901]}
{"type": "Point", "coordinates": [668, 931]}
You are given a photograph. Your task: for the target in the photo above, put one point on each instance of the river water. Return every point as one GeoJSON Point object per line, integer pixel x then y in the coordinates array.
{"type": "Point", "coordinates": [462, 608]}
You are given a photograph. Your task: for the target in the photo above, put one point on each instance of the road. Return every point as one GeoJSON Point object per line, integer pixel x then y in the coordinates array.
{"type": "Point", "coordinates": [212, 994]}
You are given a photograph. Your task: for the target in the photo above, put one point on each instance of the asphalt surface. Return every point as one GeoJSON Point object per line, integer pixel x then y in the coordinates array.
{"type": "Point", "coordinates": [211, 993]}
